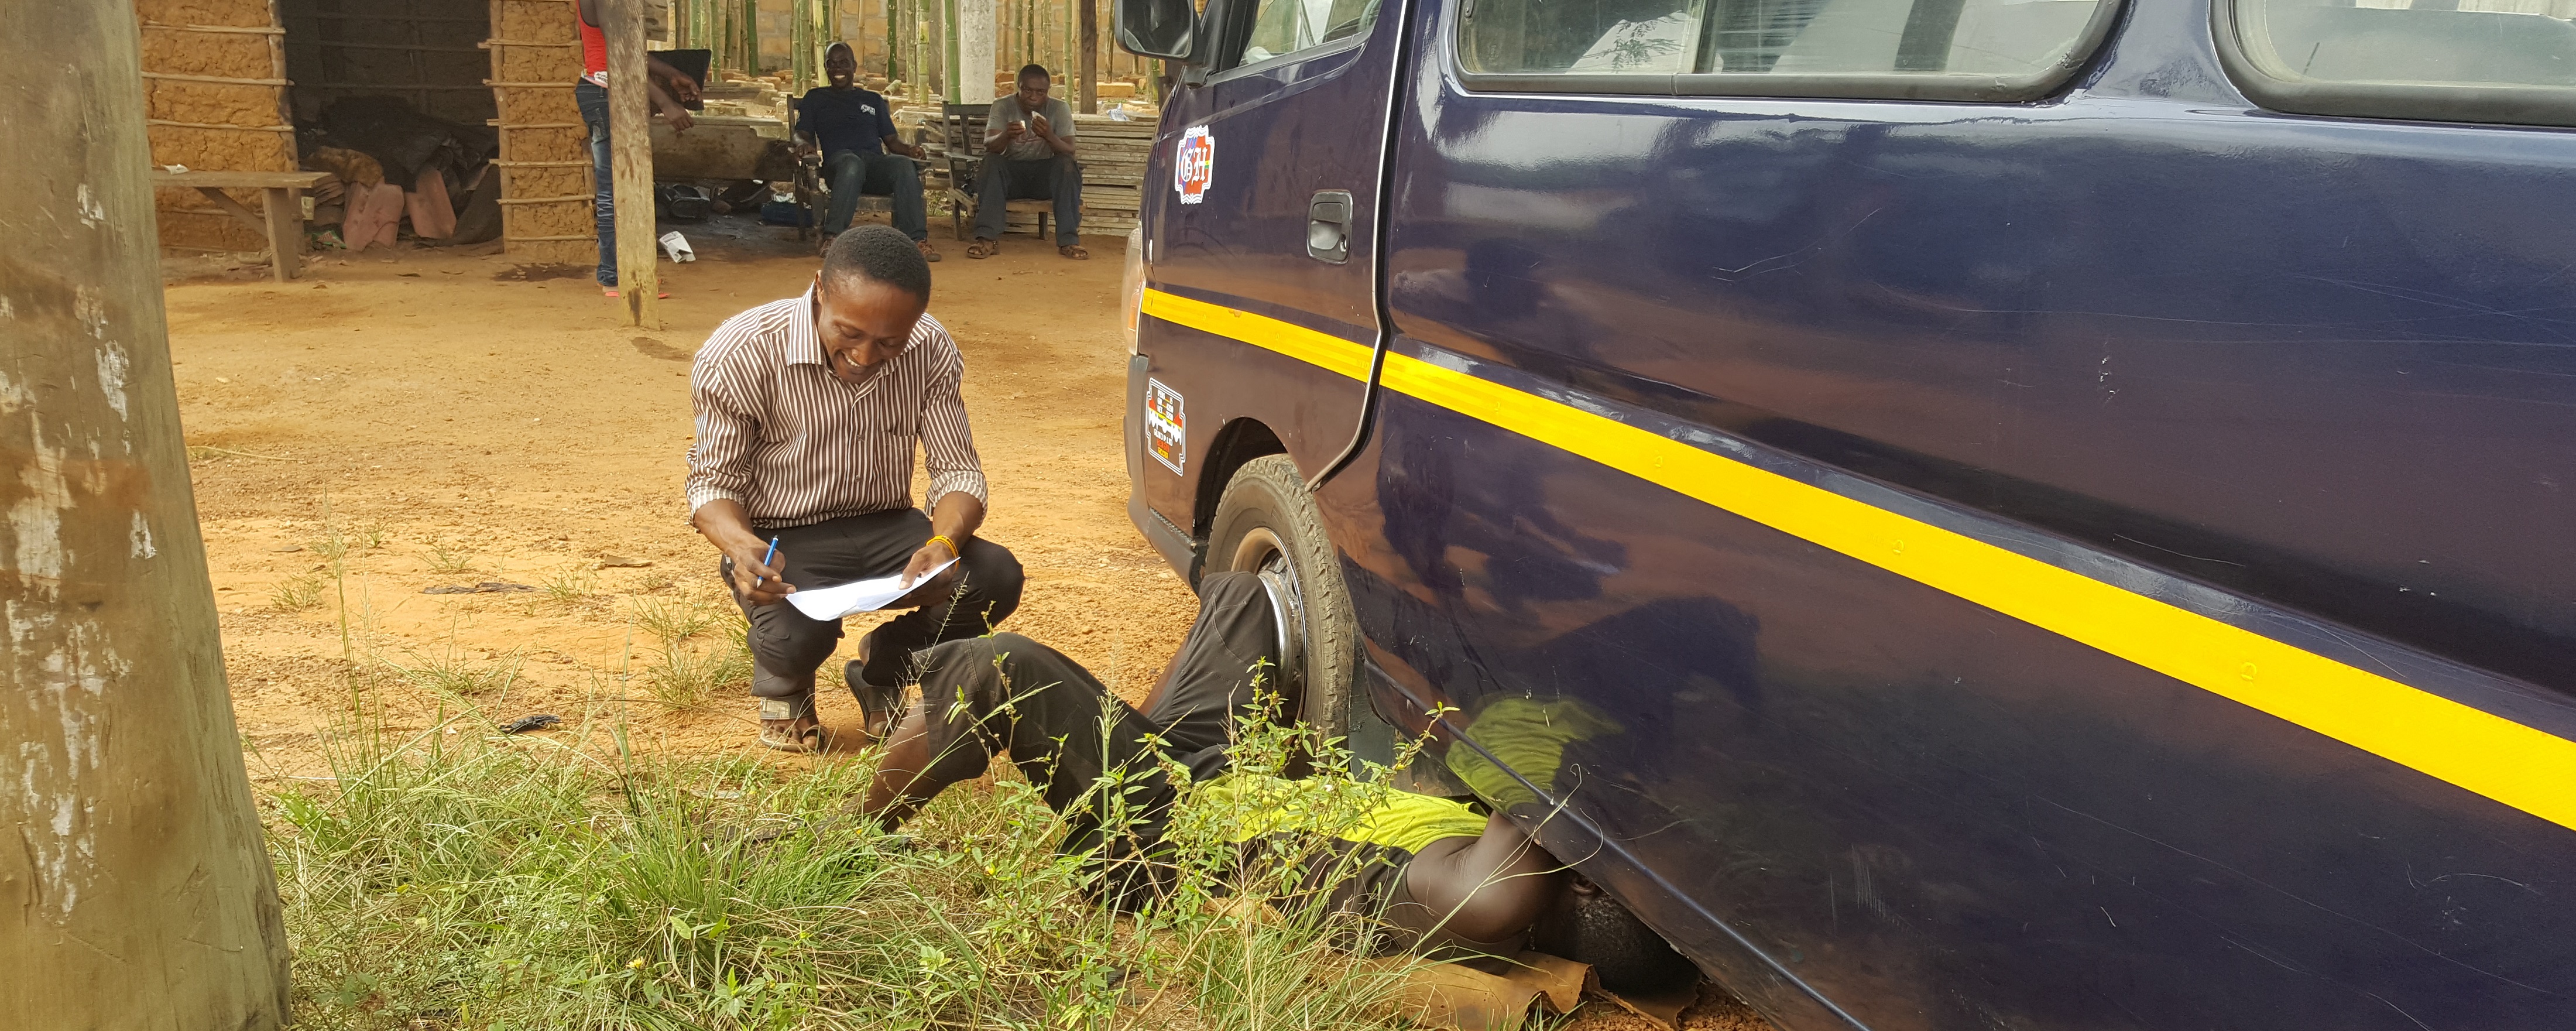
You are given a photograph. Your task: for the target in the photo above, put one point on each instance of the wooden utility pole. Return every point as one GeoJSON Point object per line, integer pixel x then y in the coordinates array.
{"type": "Point", "coordinates": [1090, 56]}
{"type": "Point", "coordinates": [138, 886]}
{"type": "Point", "coordinates": [630, 160]}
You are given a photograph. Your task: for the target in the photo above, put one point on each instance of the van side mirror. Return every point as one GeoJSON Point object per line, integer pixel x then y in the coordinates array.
{"type": "Point", "coordinates": [1157, 28]}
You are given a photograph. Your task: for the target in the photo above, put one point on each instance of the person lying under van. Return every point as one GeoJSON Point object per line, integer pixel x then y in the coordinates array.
{"type": "Point", "coordinates": [1430, 874]}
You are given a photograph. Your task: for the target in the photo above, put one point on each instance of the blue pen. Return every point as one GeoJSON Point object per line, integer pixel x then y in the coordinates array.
{"type": "Point", "coordinates": [767, 559]}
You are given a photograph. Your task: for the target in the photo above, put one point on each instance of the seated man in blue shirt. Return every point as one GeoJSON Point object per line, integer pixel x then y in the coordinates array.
{"type": "Point", "coordinates": [854, 127]}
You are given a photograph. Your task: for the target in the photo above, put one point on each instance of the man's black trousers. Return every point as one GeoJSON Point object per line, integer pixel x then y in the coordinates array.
{"type": "Point", "coordinates": [787, 647]}
{"type": "Point", "coordinates": [1008, 695]}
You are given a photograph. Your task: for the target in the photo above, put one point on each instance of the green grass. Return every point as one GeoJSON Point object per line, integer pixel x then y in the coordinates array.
{"type": "Point", "coordinates": [569, 588]}
{"type": "Point", "coordinates": [688, 676]}
{"type": "Point", "coordinates": [451, 675]}
{"type": "Point", "coordinates": [296, 593]}
{"type": "Point", "coordinates": [677, 619]}
{"type": "Point", "coordinates": [449, 563]}
{"type": "Point", "coordinates": [337, 543]}
{"type": "Point", "coordinates": [487, 882]}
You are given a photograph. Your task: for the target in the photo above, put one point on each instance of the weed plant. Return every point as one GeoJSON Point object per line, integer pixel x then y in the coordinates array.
{"type": "Point", "coordinates": [452, 676]}
{"type": "Point", "coordinates": [689, 675]}
{"type": "Point", "coordinates": [488, 882]}
{"type": "Point", "coordinates": [296, 593]}
{"type": "Point", "coordinates": [568, 588]}
{"type": "Point", "coordinates": [675, 620]}
{"type": "Point", "coordinates": [449, 563]}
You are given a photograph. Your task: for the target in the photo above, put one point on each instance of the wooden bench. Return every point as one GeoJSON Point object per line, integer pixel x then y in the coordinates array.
{"type": "Point", "coordinates": [1113, 153]}
{"type": "Point", "coordinates": [281, 220]}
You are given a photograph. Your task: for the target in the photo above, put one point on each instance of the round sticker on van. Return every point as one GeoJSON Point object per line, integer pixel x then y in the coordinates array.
{"type": "Point", "coordinates": [1195, 166]}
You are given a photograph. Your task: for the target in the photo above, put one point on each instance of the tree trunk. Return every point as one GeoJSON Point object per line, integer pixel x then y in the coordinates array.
{"type": "Point", "coordinates": [630, 160]}
{"type": "Point", "coordinates": [1090, 56]}
{"type": "Point", "coordinates": [137, 869]}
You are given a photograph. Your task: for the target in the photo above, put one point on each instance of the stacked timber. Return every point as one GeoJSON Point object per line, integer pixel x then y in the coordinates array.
{"type": "Point", "coordinates": [1113, 171]}
{"type": "Point", "coordinates": [1113, 155]}
{"type": "Point", "coordinates": [546, 188]}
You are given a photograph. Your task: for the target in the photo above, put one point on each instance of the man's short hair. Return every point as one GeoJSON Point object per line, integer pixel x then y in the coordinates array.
{"type": "Point", "coordinates": [879, 253]}
{"type": "Point", "coordinates": [1038, 70]}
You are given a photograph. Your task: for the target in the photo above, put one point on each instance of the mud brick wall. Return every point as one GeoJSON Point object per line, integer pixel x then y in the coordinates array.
{"type": "Point", "coordinates": [219, 126]}
{"type": "Point", "coordinates": [545, 152]}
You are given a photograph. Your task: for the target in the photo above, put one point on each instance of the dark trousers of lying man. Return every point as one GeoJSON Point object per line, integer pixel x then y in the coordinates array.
{"type": "Point", "coordinates": [1430, 874]}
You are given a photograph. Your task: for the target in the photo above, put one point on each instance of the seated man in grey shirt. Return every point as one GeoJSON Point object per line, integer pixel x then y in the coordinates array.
{"type": "Point", "coordinates": [1028, 155]}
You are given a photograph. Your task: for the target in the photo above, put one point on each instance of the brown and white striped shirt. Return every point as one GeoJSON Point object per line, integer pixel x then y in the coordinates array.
{"type": "Point", "coordinates": [795, 445]}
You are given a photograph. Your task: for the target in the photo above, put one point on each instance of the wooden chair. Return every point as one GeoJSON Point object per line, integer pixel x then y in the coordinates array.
{"type": "Point", "coordinates": [814, 189]}
{"type": "Point", "coordinates": [965, 124]}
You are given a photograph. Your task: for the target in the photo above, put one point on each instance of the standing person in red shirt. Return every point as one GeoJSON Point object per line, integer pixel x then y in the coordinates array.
{"type": "Point", "coordinates": [671, 90]}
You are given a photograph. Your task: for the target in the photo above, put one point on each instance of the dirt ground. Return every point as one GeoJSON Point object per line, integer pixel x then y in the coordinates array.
{"type": "Point", "coordinates": [454, 419]}
{"type": "Point", "coordinates": [459, 409]}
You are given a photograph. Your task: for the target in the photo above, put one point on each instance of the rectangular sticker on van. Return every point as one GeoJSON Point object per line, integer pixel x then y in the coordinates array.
{"type": "Point", "coordinates": [1195, 166]}
{"type": "Point", "coordinates": [1166, 428]}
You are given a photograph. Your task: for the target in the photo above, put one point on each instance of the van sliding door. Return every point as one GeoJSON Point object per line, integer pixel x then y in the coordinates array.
{"type": "Point", "coordinates": [1269, 213]}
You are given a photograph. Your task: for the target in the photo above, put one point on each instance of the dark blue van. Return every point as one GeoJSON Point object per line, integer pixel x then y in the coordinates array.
{"type": "Point", "coordinates": [1998, 514]}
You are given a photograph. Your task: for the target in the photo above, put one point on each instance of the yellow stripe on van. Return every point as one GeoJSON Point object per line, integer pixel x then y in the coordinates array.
{"type": "Point", "coordinates": [1306, 345]}
{"type": "Point", "coordinates": [2481, 752]}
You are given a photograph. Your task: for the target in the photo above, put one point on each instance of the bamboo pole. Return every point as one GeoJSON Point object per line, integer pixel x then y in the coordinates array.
{"type": "Point", "coordinates": [797, 30]}
{"type": "Point", "coordinates": [630, 149]}
{"type": "Point", "coordinates": [140, 889]}
{"type": "Point", "coordinates": [949, 77]}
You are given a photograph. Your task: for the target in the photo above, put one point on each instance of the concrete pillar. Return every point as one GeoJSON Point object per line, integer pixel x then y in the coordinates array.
{"type": "Point", "coordinates": [975, 39]}
{"type": "Point", "coordinates": [136, 882]}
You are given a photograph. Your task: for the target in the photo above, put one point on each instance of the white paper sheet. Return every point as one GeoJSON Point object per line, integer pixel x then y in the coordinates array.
{"type": "Point", "coordinates": [862, 596]}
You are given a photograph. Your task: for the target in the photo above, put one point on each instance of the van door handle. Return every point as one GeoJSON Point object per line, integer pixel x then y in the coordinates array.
{"type": "Point", "coordinates": [1328, 227]}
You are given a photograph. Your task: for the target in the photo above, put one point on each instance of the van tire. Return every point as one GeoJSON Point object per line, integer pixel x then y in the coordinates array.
{"type": "Point", "coordinates": [1267, 523]}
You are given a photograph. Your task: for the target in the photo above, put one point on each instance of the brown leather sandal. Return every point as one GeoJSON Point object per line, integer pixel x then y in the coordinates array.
{"type": "Point", "coordinates": [1074, 251]}
{"type": "Point", "coordinates": [983, 248]}
{"type": "Point", "coordinates": [783, 728]}
{"type": "Point", "coordinates": [928, 252]}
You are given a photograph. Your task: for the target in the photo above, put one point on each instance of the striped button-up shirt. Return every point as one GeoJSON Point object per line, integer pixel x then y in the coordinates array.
{"type": "Point", "coordinates": [794, 445]}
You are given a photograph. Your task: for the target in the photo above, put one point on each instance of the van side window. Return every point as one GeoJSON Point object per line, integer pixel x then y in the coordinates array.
{"type": "Point", "coordinates": [1582, 36]}
{"type": "Point", "coordinates": [1788, 47]}
{"type": "Point", "coordinates": [2460, 60]}
{"type": "Point", "coordinates": [1282, 27]}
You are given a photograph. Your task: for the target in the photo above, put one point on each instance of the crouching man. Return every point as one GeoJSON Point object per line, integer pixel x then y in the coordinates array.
{"type": "Point", "coordinates": [1429, 873]}
{"type": "Point", "coordinates": [809, 411]}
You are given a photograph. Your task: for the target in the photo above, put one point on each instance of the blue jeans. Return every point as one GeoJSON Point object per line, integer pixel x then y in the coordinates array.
{"type": "Point", "coordinates": [891, 175]}
{"type": "Point", "coordinates": [594, 113]}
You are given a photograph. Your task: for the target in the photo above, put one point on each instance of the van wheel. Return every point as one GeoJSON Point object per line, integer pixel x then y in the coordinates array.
{"type": "Point", "coordinates": [1266, 523]}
